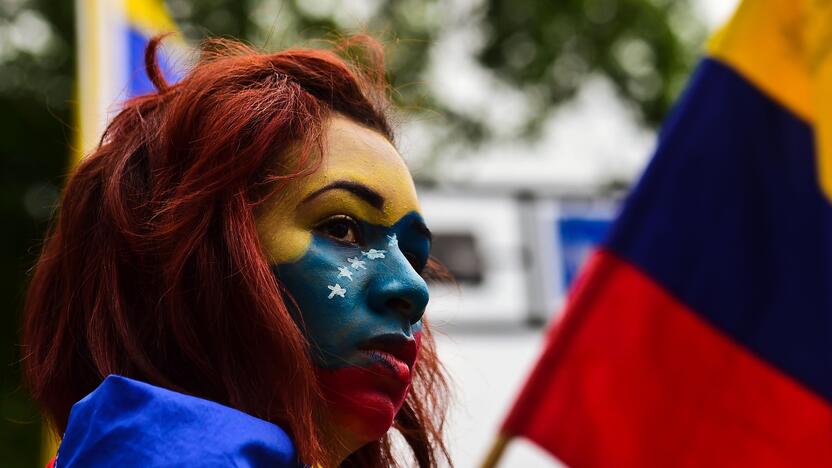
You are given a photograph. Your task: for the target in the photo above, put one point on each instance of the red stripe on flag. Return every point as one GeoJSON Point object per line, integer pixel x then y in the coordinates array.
{"type": "Point", "coordinates": [633, 378]}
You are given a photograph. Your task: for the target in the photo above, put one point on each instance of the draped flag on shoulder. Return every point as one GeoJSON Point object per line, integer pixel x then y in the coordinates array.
{"type": "Point", "coordinates": [112, 36]}
{"type": "Point", "coordinates": [700, 333]}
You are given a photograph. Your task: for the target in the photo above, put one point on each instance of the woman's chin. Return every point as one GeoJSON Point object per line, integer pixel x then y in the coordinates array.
{"type": "Point", "coordinates": [368, 423]}
{"type": "Point", "coordinates": [363, 402]}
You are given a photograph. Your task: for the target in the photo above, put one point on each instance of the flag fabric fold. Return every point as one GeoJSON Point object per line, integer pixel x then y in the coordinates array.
{"type": "Point", "coordinates": [129, 423]}
{"type": "Point", "coordinates": [700, 333]}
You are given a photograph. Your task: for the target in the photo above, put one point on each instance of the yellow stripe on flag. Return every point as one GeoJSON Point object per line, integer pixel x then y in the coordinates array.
{"type": "Point", "coordinates": [764, 43]}
{"type": "Point", "coordinates": [818, 39]}
{"type": "Point", "coordinates": [784, 47]}
{"type": "Point", "coordinates": [150, 16]}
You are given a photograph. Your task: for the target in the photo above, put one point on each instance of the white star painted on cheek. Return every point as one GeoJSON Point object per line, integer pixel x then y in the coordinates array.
{"type": "Point", "coordinates": [345, 272]}
{"type": "Point", "coordinates": [373, 254]}
{"type": "Point", "coordinates": [393, 241]}
{"type": "Point", "coordinates": [337, 290]}
{"type": "Point", "coordinates": [357, 264]}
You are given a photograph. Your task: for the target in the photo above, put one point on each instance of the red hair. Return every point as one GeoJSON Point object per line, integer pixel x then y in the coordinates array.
{"type": "Point", "coordinates": [153, 268]}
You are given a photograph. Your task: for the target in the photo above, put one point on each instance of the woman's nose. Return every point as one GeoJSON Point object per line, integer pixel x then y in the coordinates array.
{"type": "Point", "coordinates": [399, 290]}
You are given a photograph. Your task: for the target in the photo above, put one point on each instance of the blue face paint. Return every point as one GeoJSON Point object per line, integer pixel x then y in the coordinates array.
{"type": "Point", "coordinates": [351, 297]}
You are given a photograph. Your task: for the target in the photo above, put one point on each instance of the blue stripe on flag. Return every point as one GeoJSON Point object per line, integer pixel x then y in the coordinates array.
{"type": "Point", "coordinates": [730, 219]}
{"type": "Point", "coordinates": [138, 83]}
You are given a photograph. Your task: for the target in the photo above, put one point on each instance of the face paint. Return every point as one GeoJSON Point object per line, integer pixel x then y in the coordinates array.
{"type": "Point", "coordinates": [347, 243]}
{"type": "Point", "coordinates": [360, 306]}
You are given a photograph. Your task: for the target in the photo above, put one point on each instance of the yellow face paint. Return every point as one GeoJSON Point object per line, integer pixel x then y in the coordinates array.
{"type": "Point", "coordinates": [353, 155]}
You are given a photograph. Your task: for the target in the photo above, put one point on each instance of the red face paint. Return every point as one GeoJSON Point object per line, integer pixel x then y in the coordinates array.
{"type": "Point", "coordinates": [365, 399]}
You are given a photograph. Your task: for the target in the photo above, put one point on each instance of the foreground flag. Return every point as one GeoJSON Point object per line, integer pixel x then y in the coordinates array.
{"type": "Point", "coordinates": [112, 36]}
{"type": "Point", "coordinates": [700, 334]}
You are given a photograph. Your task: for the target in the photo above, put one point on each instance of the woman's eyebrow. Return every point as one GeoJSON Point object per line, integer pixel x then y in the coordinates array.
{"type": "Point", "coordinates": [363, 192]}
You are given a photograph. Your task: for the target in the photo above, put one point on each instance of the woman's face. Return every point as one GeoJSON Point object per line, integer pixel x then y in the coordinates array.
{"type": "Point", "coordinates": [348, 244]}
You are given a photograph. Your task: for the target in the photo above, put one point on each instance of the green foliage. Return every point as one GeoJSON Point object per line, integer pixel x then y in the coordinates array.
{"type": "Point", "coordinates": [546, 49]}
{"type": "Point", "coordinates": [555, 46]}
{"type": "Point", "coordinates": [36, 66]}
{"type": "Point", "coordinates": [408, 26]}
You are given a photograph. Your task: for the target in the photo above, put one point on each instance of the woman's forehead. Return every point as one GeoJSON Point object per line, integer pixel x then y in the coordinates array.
{"type": "Point", "coordinates": [358, 155]}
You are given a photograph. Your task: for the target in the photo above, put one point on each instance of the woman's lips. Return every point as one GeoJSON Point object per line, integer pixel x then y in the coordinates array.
{"type": "Point", "coordinates": [397, 368]}
{"type": "Point", "coordinates": [396, 353]}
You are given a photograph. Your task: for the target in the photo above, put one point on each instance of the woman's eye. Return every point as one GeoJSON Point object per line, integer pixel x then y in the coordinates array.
{"type": "Point", "coordinates": [341, 228]}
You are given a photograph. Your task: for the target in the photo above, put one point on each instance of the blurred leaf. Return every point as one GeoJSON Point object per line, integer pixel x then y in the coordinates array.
{"type": "Point", "coordinates": [556, 45]}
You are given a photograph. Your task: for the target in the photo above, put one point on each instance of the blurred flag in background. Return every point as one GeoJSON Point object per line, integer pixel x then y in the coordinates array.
{"type": "Point", "coordinates": [112, 36]}
{"type": "Point", "coordinates": [699, 334]}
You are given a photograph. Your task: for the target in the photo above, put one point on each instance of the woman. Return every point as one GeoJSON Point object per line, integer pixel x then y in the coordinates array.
{"type": "Point", "coordinates": [243, 256]}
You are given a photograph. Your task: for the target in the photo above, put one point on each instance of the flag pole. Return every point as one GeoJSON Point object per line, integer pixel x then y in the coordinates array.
{"type": "Point", "coordinates": [495, 452]}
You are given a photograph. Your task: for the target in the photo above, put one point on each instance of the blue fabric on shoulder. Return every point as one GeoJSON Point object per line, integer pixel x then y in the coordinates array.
{"type": "Point", "coordinates": [129, 423]}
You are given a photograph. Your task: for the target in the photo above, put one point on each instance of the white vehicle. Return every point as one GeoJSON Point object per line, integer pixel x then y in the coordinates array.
{"type": "Point", "coordinates": [513, 255]}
